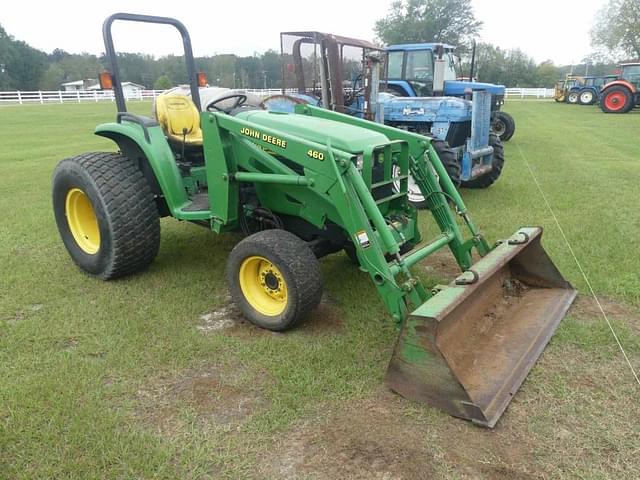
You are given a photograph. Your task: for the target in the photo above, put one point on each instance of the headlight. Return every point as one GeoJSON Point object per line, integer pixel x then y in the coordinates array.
{"type": "Point", "coordinates": [360, 162]}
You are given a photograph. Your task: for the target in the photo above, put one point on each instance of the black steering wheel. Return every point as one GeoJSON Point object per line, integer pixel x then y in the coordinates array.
{"type": "Point", "coordinates": [241, 100]}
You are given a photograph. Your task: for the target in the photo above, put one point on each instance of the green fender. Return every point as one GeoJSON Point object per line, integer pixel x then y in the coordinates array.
{"type": "Point", "coordinates": [134, 139]}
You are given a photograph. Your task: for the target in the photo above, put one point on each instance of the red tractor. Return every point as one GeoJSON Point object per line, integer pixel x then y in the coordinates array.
{"type": "Point", "coordinates": [621, 95]}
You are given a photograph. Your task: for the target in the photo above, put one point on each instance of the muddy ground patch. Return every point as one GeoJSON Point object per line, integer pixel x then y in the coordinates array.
{"type": "Point", "coordinates": [209, 397]}
{"type": "Point", "coordinates": [585, 308]}
{"type": "Point", "coordinates": [360, 440]}
{"type": "Point", "coordinates": [442, 266]}
{"type": "Point", "coordinates": [386, 437]}
{"type": "Point", "coordinates": [325, 319]}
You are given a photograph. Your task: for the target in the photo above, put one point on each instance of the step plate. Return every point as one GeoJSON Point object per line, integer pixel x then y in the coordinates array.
{"type": "Point", "coordinates": [199, 203]}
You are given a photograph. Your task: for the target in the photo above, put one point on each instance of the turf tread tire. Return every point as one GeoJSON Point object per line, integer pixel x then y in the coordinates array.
{"type": "Point", "coordinates": [124, 205]}
{"type": "Point", "coordinates": [298, 265]}
{"type": "Point", "coordinates": [489, 178]}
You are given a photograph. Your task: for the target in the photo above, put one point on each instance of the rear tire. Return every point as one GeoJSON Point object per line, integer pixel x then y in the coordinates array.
{"type": "Point", "coordinates": [106, 214]}
{"type": "Point", "coordinates": [488, 179]}
{"type": "Point", "coordinates": [451, 164]}
{"type": "Point", "coordinates": [274, 278]}
{"type": "Point", "coordinates": [616, 99]}
{"type": "Point", "coordinates": [449, 160]}
{"type": "Point", "coordinates": [572, 98]}
{"type": "Point", "coordinates": [504, 126]}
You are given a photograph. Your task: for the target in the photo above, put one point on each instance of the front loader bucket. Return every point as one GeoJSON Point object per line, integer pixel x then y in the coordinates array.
{"type": "Point", "coordinates": [468, 349]}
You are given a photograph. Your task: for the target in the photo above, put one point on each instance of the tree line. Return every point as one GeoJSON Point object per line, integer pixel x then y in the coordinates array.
{"type": "Point", "coordinates": [514, 68]}
{"type": "Point", "coordinates": [615, 36]}
{"type": "Point", "coordinates": [25, 68]}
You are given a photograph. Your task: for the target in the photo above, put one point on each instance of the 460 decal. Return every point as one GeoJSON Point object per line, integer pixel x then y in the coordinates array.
{"type": "Point", "coordinates": [315, 154]}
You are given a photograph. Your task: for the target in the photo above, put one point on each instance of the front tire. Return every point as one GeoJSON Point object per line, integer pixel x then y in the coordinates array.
{"type": "Point", "coordinates": [572, 98]}
{"type": "Point", "coordinates": [504, 126]}
{"type": "Point", "coordinates": [274, 278]}
{"type": "Point", "coordinates": [106, 214]}
{"type": "Point", "coordinates": [489, 178]}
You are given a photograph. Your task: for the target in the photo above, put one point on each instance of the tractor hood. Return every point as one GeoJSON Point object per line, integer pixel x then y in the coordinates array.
{"type": "Point", "coordinates": [344, 137]}
{"type": "Point", "coordinates": [426, 109]}
{"type": "Point", "coordinates": [457, 87]}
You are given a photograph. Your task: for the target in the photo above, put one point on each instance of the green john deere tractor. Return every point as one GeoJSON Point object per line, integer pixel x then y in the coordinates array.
{"type": "Point", "coordinates": [301, 186]}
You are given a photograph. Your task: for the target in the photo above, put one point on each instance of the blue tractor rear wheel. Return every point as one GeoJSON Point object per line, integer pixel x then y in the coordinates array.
{"type": "Point", "coordinates": [587, 97]}
{"type": "Point", "coordinates": [488, 179]}
{"type": "Point", "coordinates": [450, 163]}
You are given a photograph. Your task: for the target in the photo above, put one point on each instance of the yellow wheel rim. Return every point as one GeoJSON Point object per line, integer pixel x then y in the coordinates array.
{"type": "Point", "coordinates": [263, 286]}
{"type": "Point", "coordinates": [82, 220]}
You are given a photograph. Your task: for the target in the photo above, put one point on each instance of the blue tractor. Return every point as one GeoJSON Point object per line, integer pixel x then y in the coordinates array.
{"type": "Point", "coordinates": [345, 75]}
{"type": "Point", "coordinates": [431, 69]}
{"type": "Point", "coordinates": [587, 90]}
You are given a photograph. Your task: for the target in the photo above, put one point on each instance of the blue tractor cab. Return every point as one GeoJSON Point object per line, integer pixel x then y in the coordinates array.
{"type": "Point", "coordinates": [432, 69]}
{"type": "Point", "coordinates": [345, 75]}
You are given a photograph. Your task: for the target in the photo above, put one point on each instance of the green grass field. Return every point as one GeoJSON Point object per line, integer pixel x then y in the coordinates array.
{"type": "Point", "coordinates": [134, 379]}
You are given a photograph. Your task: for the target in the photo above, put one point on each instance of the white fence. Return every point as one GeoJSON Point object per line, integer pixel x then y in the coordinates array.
{"type": "Point", "coordinates": [529, 93]}
{"type": "Point", "coordinates": [43, 97]}
{"type": "Point", "coordinates": [74, 97]}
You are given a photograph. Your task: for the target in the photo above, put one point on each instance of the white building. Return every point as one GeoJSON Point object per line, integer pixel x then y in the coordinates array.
{"type": "Point", "coordinates": [129, 89]}
{"type": "Point", "coordinates": [77, 86]}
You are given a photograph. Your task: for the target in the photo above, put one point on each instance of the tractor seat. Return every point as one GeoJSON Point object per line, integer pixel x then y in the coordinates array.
{"type": "Point", "coordinates": [179, 119]}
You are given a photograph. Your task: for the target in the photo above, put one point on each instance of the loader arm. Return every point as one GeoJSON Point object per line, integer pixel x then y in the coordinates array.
{"type": "Point", "coordinates": [332, 189]}
{"type": "Point", "coordinates": [437, 193]}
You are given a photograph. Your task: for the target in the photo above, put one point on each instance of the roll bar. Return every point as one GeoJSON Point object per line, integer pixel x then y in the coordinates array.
{"type": "Point", "coordinates": [113, 59]}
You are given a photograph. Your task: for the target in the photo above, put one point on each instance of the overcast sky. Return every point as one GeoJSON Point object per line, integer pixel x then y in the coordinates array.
{"type": "Point", "coordinates": [542, 28]}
